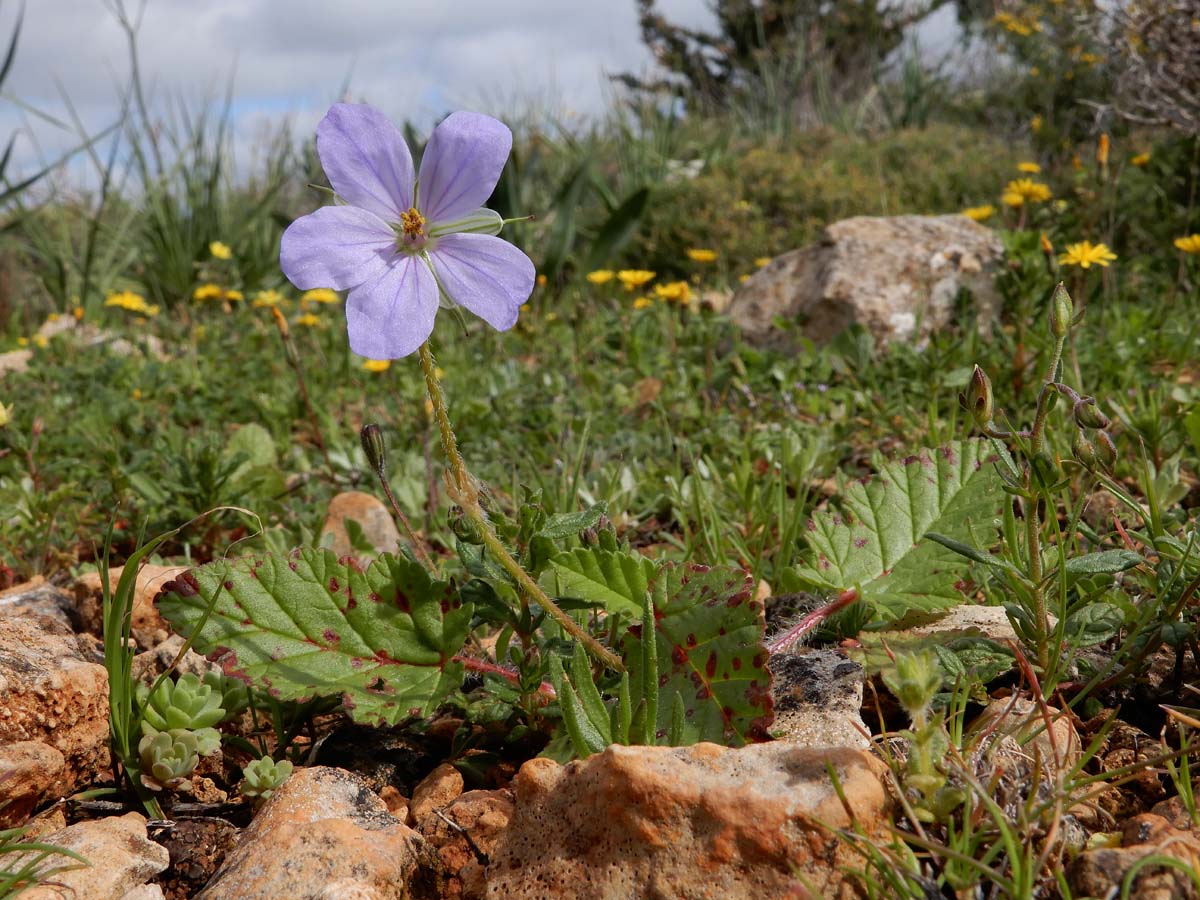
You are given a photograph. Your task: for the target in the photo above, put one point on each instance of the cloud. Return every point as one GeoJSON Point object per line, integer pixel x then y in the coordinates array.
{"type": "Point", "coordinates": [416, 59]}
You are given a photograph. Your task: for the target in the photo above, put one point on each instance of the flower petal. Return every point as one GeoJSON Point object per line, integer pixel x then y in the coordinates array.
{"type": "Point", "coordinates": [366, 159]}
{"type": "Point", "coordinates": [336, 247]}
{"type": "Point", "coordinates": [461, 165]}
{"type": "Point", "coordinates": [487, 275]}
{"type": "Point", "coordinates": [392, 315]}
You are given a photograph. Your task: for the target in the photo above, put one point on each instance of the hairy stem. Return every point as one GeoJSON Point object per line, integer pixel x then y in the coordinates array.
{"type": "Point", "coordinates": [466, 495]}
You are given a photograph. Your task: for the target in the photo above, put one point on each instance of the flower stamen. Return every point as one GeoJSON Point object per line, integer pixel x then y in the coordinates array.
{"type": "Point", "coordinates": [413, 223]}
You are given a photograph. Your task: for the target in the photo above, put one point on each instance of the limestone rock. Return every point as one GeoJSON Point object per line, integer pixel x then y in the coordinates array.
{"type": "Point", "coordinates": [149, 629]}
{"type": "Point", "coordinates": [436, 791]}
{"type": "Point", "coordinates": [121, 858]}
{"type": "Point", "coordinates": [38, 598]}
{"type": "Point", "coordinates": [51, 693]}
{"type": "Point", "coordinates": [1023, 721]}
{"type": "Point", "coordinates": [897, 276]}
{"type": "Point", "coordinates": [15, 361]}
{"type": "Point", "coordinates": [30, 772]}
{"type": "Point", "coordinates": [685, 822]}
{"type": "Point", "coordinates": [369, 512]}
{"type": "Point", "coordinates": [323, 834]}
{"type": "Point", "coordinates": [1101, 872]}
{"type": "Point", "coordinates": [818, 700]}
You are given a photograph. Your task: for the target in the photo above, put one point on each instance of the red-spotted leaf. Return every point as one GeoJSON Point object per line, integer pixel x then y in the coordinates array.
{"type": "Point", "coordinates": [709, 642]}
{"type": "Point", "coordinates": [306, 625]}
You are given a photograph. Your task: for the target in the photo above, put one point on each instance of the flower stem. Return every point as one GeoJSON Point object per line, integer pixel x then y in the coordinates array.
{"type": "Point", "coordinates": [466, 495]}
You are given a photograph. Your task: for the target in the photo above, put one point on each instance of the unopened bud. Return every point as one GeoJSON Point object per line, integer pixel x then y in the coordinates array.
{"type": "Point", "coordinates": [374, 446]}
{"type": "Point", "coordinates": [1047, 247]}
{"type": "Point", "coordinates": [1105, 449]}
{"type": "Point", "coordinates": [915, 680]}
{"type": "Point", "coordinates": [1062, 310]}
{"type": "Point", "coordinates": [1102, 148]}
{"type": "Point", "coordinates": [1087, 415]}
{"type": "Point", "coordinates": [1084, 451]}
{"type": "Point", "coordinates": [978, 398]}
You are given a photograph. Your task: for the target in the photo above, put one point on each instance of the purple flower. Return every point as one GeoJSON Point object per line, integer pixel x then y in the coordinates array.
{"type": "Point", "coordinates": [405, 242]}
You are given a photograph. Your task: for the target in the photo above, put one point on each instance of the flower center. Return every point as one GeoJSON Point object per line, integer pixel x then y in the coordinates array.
{"type": "Point", "coordinates": [413, 223]}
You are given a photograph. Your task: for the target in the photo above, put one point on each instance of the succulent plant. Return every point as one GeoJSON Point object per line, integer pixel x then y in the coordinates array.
{"type": "Point", "coordinates": [235, 695]}
{"type": "Point", "coordinates": [186, 703]}
{"type": "Point", "coordinates": [262, 777]}
{"type": "Point", "coordinates": [168, 758]}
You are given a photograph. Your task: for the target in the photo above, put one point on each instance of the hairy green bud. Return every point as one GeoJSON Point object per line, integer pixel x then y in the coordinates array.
{"type": "Point", "coordinates": [1088, 416]}
{"type": "Point", "coordinates": [1084, 451]}
{"type": "Point", "coordinates": [374, 447]}
{"type": "Point", "coordinates": [1062, 311]}
{"type": "Point", "coordinates": [915, 681]}
{"type": "Point", "coordinates": [978, 399]}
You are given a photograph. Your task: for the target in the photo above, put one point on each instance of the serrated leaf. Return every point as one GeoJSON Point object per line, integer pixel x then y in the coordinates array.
{"type": "Point", "coordinates": [1107, 562]}
{"type": "Point", "coordinates": [306, 625]}
{"type": "Point", "coordinates": [709, 637]}
{"type": "Point", "coordinates": [617, 580]}
{"type": "Point", "coordinates": [876, 544]}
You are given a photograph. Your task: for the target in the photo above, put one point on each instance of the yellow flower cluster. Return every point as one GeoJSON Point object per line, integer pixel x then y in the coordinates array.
{"type": "Point", "coordinates": [702, 255]}
{"type": "Point", "coordinates": [219, 250]}
{"type": "Point", "coordinates": [212, 291]}
{"type": "Point", "coordinates": [675, 292]}
{"type": "Point", "coordinates": [308, 320]}
{"type": "Point", "coordinates": [1023, 26]}
{"type": "Point", "coordinates": [634, 278]}
{"type": "Point", "coordinates": [132, 302]}
{"type": "Point", "coordinates": [980, 213]}
{"type": "Point", "coordinates": [319, 295]}
{"type": "Point", "coordinates": [600, 276]}
{"type": "Point", "coordinates": [269, 297]}
{"type": "Point", "coordinates": [1189, 244]}
{"type": "Point", "coordinates": [1025, 190]}
{"type": "Point", "coordinates": [1085, 254]}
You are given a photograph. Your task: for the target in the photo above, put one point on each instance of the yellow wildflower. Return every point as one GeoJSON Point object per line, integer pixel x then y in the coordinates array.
{"type": "Point", "coordinates": [234, 295]}
{"type": "Point", "coordinates": [136, 394]}
{"type": "Point", "coordinates": [1025, 190]}
{"type": "Point", "coordinates": [1031, 168]}
{"type": "Point", "coordinates": [308, 320]}
{"type": "Point", "coordinates": [77, 312]}
{"type": "Point", "coordinates": [1102, 147]}
{"type": "Point", "coordinates": [1140, 160]}
{"type": "Point", "coordinates": [53, 317]}
{"type": "Point", "coordinates": [269, 297]}
{"type": "Point", "coordinates": [319, 295]}
{"type": "Point", "coordinates": [762, 261]}
{"type": "Point", "coordinates": [1036, 123]}
{"type": "Point", "coordinates": [1089, 59]}
{"type": "Point", "coordinates": [643, 303]}
{"type": "Point", "coordinates": [980, 213]}
{"type": "Point", "coordinates": [541, 280]}
{"type": "Point", "coordinates": [551, 317]}
{"type": "Point", "coordinates": [377, 365]}
{"type": "Point", "coordinates": [742, 279]}
{"type": "Point", "coordinates": [1047, 247]}
{"type": "Point", "coordinates": [1189, 244]}
{"type": "Point", "coordinates": [600, 276]}
{"type": "Point", "coordinates": [41, 340]}
{"type": "Point", "coordinates": [1085, 254]}
{"type": "Point", "coordinates": [208, 291]}
{"type": "Point", "coordinates": [634, 278]}
{"type": "Point", "coordinates": [131, 301]}
{"type": "Point", "coordinates": [676, 291]}
{"type": "Point", "coordinates": [701, 255]}
{"type": "Point", "coordinates": [525, 307]}
{"type": "Point", "coordinates": [22, 342]}
{"type": "Point", "coordinates": [220, 250]}
{"type": "Point", "coordinates": [5, 414]}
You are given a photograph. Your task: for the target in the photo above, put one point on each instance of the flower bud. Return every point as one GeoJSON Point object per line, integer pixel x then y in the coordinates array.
{"type": "Point", "coordinates": [1047, 247]}
{"type": "Point", "coordinates": [1084, 451]}
{"type": "Point", "coordinates": [1062, 310]}
{"type": "Point", "coordinates": [374, 447]}
{"type": "Point", "coordinates": [1105, 449]}
{"type": "Point", "coordinates": [1102, 148]}
{"type": "Point", "coordinates": [1087, 415]}
{"type": "Point", "coordinates": [915, 680]}
{"type": "Point", "coordinates": [978, 398]}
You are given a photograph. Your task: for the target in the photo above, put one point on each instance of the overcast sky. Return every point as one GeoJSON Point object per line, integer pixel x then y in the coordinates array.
{"type": "Point", "coordinates": [416, 59]}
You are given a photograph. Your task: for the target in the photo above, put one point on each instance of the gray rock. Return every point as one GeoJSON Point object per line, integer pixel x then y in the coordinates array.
{"type": "Point", "coordinates": [818, 700]}
{"type": "Point", "coordinates": [896, 276]}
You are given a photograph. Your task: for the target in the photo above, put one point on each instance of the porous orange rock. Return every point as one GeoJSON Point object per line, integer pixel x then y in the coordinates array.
{"type": "Point", "coordinates": [147, 627]}
{"type": "Point", "coordinates": [703, 821]}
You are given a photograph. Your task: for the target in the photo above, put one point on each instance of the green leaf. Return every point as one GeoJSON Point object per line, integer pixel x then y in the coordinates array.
{"type": "Point", "coordinates": [708, 631]}
{"type": "Point", "coordinates": [617, 229]}
{"type": "Point", "coordinates": [586, 737]}
{"type": "Point", "coordinates": [1107, 562]}
{"type": "Point", "coordinates": [617, 580]}
{"type": "Point", "coordinates": [875, 544]}
{"type": "Point", "coordinates": [565, 525]}
{"type": "Point", "coordinates": [306, 625]}
{"type": "Point", "coordinates": [1094, 624]}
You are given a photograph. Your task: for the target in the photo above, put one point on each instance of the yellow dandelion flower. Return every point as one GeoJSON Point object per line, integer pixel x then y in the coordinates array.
{"type": "Point", "coordinates": [525, 307]}
{"type": "Point", "coordinates": [600, 276]}
{"type": "Point", "coordinates": [40, 340]}
{"type": "Point", "coordinates": [1140, 160]}
{"type": "Point", "coordinates": [1047, 247]}
{"type": "Point", "coordinates": [129, 300]}
{"type": "Point", "coordinates": [1028, 190]}
{"type": "Point", "coordinates": [269, 297]}
{"type": "Point", "coordinates": [1085, 254]}
{"type": "Point", "coordinates": [308, 320]}
{"type": "Point", "coordinates": [1036, 123]}
{"type": "Point", "coordinates": [136, 394]}
{"type": "Point", "coordinates": [1030, 168]}
{"type": "Point", "coordinates": [634, 278]}
{"type": "Point", "coordinates": [675, 292]}
{"type": "Point", "coordinates": [22, 342]}
{"type": "Point", "coordinates": [742, 279]}
{"type": "Point", "coordinates": [699, 254]}
{"type": "Point", "coordinates": [1189, 244]}
{"type": "Point", "coordinates": [377, 365]}
{"type": "Point", "coordinates": [77, 312]}
{"type": "Point", "coordinates": [541, 281]}
{"type": "Point", "coordinates": [762, 261]}
{"type": "Point", "coordinates": [235, 295]}
{"type": "Point", "coordinates": [980, 213]}
{"type": "Point", "coordinates": [643, 303]}
{"type": "Point", "coordinates": [208, 291]}
{"type": "Point", "coordinates": [320, 295]}
{"type": "Point", "coordinates": [220, 250]}
{"type": "Point", "coordinates": [53, 317]}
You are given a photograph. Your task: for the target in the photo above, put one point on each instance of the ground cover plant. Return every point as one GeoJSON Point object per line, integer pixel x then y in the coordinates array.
{"type": "Point", "coordinates": [614, 510]}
